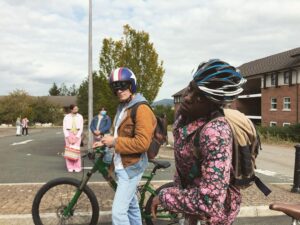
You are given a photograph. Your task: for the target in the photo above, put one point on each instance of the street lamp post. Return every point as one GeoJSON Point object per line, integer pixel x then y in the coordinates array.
{"type": "Point", "coordinates": [90, 94]}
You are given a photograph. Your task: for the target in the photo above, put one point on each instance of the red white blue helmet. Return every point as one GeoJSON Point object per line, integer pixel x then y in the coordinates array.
{"type": "Point", "coordinates": [123, 74]}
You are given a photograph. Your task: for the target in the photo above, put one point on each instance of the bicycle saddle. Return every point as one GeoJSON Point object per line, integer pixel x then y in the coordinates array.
{"type": "Point", "coordinates": [292, 210]}
{"type": "Point", "coordinates": [160, 164]}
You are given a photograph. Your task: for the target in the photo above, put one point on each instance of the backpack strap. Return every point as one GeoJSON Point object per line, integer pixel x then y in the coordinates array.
{"type": "Point", "coordinates": [194, 172]}
{"type": "Point", "coordinates": [262, 187]}
{"type": "Point", "coordinates": [134, 109]}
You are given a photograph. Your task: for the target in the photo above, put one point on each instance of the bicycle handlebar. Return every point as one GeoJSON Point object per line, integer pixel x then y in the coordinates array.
{"type": "Point", "coordinates": [93, 151]}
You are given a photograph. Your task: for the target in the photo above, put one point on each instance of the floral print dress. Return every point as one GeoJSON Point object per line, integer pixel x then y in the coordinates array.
{"type": "Point", "coordinates": [209, 196]}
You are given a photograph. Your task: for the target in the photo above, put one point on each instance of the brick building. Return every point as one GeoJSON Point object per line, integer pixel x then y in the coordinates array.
{"type": "Point", "coordinates": [271, 95]}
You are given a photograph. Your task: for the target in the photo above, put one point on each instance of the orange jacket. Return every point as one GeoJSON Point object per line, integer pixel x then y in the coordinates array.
{"type": "Point", "coordinates": [134, 139]}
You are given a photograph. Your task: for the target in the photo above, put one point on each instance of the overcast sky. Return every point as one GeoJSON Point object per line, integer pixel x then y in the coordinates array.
{"type": "Point", "coordinates": [42, 42]}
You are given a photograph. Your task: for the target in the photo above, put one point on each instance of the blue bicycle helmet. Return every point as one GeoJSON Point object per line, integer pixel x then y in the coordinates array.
{"type": "Point", "coordinates": [120, 75]}
{"type": "Point", "coordinates": [219, 81]}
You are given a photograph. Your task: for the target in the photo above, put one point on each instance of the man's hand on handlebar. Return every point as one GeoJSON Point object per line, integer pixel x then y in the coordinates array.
{"type": "Point", "coordinates": [108, 140]}
{"type": "Point", "coordinates": [97, 144]}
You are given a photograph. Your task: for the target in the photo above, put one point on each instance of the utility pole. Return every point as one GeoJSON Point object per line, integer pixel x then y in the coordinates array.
{"type": "Point", "coordinates": [90, 102]}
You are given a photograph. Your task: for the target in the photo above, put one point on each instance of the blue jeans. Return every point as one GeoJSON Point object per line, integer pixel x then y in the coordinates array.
{"type": "Point", "coordinates": [125, 209]}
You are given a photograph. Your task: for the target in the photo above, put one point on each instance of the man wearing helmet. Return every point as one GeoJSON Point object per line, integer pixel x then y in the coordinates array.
{"type": "Point", "coordinates": [130, 141]}
{"type": "Point", "coordinates": [200, 128]}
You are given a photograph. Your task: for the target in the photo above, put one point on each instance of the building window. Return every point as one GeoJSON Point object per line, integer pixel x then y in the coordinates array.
{"type": "Point", "coordinates": [273, 104]}
{"type": "Point", "coordinates": [273, 124]}
{"type": "Point", "coordinates": [286, 78]}
{"type": "Point", "coordinates": [286, 124]}
{"type": "Point", "coordinates": [273, 79]}
{"type": "Point", "coordinates": [177, 100]}
{"type": "Point", "coordinates": [287, 103]}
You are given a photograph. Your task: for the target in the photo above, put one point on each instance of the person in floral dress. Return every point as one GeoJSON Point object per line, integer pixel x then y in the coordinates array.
{"type": "Point", "coordinates": [201, 129]}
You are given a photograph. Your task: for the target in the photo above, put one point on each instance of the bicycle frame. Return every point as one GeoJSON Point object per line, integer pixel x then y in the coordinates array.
{"type": "Point", "coordinates": [99, 166]}
{"type": "Point", "coordinates": [103, 168]}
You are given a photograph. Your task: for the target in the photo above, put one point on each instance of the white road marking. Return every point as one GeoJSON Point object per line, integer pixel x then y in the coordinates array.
{"type": "Point", "coordinates": [21, 143]}
{"type": "Point", "coordinates": [87, 168]}
{"type": "Point", "coordinates": [266, 172]}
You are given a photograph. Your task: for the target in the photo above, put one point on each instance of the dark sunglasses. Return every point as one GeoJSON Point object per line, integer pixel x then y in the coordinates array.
{"type": "Point", "coordinates": [120, 85]}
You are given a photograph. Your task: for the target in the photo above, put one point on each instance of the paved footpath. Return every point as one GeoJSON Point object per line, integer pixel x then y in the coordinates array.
{"type": "Point", "coordinates": [16, 199]}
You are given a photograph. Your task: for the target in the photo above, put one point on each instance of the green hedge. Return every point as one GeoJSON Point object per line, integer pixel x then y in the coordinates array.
{"type": "Point", "coordinates": [287, 133]}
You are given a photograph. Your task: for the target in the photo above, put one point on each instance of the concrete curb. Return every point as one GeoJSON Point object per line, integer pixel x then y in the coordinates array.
{"type": "Point", "coordinates": [258, 211]}
{"type": "Point", "coordinates": [26, 219]}
{"type": "Point", "coordinates": [105, 216]}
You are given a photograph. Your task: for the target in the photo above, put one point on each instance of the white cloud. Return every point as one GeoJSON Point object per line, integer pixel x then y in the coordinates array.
{"type": "Point", "coordinates": [46, 41]}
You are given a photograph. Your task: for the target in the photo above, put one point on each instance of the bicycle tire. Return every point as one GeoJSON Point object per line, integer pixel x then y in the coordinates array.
{"type": "Point", "coordinates": [60, 187]}
{"type": "Point", "coordinates": [148, 220]}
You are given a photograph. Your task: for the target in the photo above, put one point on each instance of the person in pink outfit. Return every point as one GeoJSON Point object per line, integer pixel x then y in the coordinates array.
{"type": "Point", "coordinates": [72, 127]}
{"type": "Point", "coordinates": [203, 142]}
{"type": "Point", "coordinates": [25, 122]}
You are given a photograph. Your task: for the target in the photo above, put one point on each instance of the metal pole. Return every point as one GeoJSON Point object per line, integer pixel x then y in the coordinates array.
{"type": "Point", "coordinates": [90, 102]}
{"type": "Point", "coordinates": [296, 186]}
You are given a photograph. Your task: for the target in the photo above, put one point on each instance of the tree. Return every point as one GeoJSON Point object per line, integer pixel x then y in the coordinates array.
{"type": "Point", "coordinates": [73, 90]}
{"type": "Point", "coordinates": [167, 110]}
{"type": "Point", "coordinates": [102, 96]}
{"type": "Point", "coordinates": [16, 104]}
{"type": "Point", "coordinates": [136, 52]}
{"type": "Point", "coordinates": [37, 109]}
{"type": "Point", "coordinates": [64, 91]}
{"type": "Point", "coordinates": [46, 112]}
{"type": "Point", "coordinates": [54, 90]}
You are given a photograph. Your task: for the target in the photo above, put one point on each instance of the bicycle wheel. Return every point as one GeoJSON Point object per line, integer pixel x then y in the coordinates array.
{"type": "Point", "coordinates": [162, 214]}
{"type": "Point", "coordinates": [51, 200]}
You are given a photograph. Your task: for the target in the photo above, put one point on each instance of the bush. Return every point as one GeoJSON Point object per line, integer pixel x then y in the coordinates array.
{"type": "Point", "coordinates": [36, 109]}
{"type": "Point", "coordinates": [287, 133]}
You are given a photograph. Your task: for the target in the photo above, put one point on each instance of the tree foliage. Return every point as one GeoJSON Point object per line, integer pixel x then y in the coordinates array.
{"type": "Point", "coordinates": [37, 109]}
{"type": "Point", "coordinates": [162, 110]}
{"type": "Point", "coordinates": [63, 90]}
{"type": "Point", "coordinates": [102, 96]}
{"type": "Point", "coordinates": [134, 51]}
{"type": "Point", "coordinates": [44, 112]}
{"type": "Point", "coordinates": [17, 104]}
{"type": "Point", "coordinates": [54, 90]}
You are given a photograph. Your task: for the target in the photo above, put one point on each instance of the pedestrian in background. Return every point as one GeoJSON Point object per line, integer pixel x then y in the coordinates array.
{"type": "Point", "coordinates": [72, 127]}
{"type": "Point", "coordinates": [100, 124]}
{"type": "Point", "coordinates": [18, 126]}
{"type": "Point", "coordinates": [25, 122]}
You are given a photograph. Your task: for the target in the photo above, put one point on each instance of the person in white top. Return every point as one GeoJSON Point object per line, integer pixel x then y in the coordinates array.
{"type": "Point", "coordinates": [18, 126]}
{"type": "Point", "coordinates": [72, 127]}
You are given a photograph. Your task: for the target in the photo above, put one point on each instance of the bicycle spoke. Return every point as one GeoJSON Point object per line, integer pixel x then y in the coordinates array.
{"type": "Point", "coordinates": [56, 199]}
